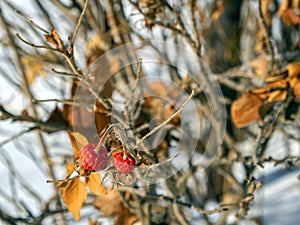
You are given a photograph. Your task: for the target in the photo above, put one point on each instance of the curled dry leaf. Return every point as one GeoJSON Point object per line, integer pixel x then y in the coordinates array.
{"type": "Point", "coordinates": [293, 69]}
{"type": "Point", "coordinates": [245, 110]}
{"type": "Point", "coordinates": [277, 95]}
{"type": "Point", "coordinates": [261, 92]}
{"type": "Point", "coordinates": [74, 194]}
{"type": "Point", "coordinates": [111, 205]}
{"type": "Point", "coordinates": [70, 168]}
{"type": "Point", "coordinates": [94, 184]}
{"type": "Point", "coordinates": [77, 141]}
{"type": "Point", "coordinates": [297, 90]}
{"type": "Point", "coordinates": [290, 17]}
{"type": "Point", "coordinates": [287, 12]}
{"type": "Point", "coordinates": [54, 39]}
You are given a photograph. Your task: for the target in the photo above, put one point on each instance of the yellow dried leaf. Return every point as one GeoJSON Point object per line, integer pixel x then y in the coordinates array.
{"type": "Point", "coordinates": [259, 90]}
{"type": "Point", "coordinates": [70, 168]}
{"type": "Point", "coordinates": [297, 90]}
{"type": "Point", "coordinates": [283, 6]}
{"type": "Point", "coordinates": [94, 184]}
{"type": "Point", "coordinates": [74, 195]}
{"type": "Point", "coordinates": [293, 69]}
{"type": "Point", "coordinates": [244, 110]}
{"type": "Point", "coordinates": [277, 95]}
{"type": "Point", "coordinates": [77, 141]}
{"type": "Point", "coordinates": [282, 84]}
{"type": "Point", "coordinates": [54, 39]}
{"type": "Point", "coordinates": [219, 10]}
{"type": "Point", "coordinates": [50, 39]}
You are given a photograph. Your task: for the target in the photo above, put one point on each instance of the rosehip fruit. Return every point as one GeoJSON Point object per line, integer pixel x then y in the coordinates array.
{"type": "Point", "coordinates": [122, 164]}
{"type": "Point", "coordinates": [92, 158]}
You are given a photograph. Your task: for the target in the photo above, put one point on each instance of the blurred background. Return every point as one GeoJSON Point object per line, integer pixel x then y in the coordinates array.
{"type": "Point", "coordinates": [246, 44]}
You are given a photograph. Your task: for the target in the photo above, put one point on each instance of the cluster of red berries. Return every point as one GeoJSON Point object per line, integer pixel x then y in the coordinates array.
{"type": "Point", "coordinates": [94, 157]}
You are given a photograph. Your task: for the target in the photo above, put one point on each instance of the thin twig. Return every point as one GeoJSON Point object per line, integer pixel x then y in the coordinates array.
{"type": "Point", "coordinates": [67, 74]}
{"type": "Point", "coordinates": [31, 22]}
{"type": "Point", "coordinates": [79, 23]}
{"type": "Point", "coordinates": [166, 121]}
{"type": "Point", "coordinates": [36, 46]}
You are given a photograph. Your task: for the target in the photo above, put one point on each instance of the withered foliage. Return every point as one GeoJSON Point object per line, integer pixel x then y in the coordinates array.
{"type": "Point", "coordinates": [50, 57]}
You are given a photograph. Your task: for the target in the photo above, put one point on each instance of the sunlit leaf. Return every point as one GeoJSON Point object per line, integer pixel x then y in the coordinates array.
{"type": "Point", "coordinates": [74, 195]}
{"type": "Point", "coordinates": [277, 95]}
{"type": "Point", "coordinates": [293, 69]}
{"type": "Point", "coordinates": [78, 141]}
{"type": "Point", "coordinates": [70, 168]}
{"type": "Point", "coordinates": [94, 184]}
{"type": "Point", "coordinates": [54, 39]}
{"type": "Point", "coordinates": [297, 90]}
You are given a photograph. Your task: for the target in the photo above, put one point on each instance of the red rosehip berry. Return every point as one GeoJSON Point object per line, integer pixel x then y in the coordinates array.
{"type": "Point", "coordinates": [122, 164]}
{"type": "Point", "coordinates": [93, 159]}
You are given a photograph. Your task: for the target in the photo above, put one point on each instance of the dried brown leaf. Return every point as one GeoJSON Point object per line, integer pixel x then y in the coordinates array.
{"type": "Point", "coordinates": [297, 90]}
{"type": "Point", "coordinates": [94, 184]}
{"type": "Point", "coordinates": [244, 110]}
{"type": "Point", "coordinates": [111, 205]}
{"type": "Point", "coordinates": [259, 90]}
{"type": "Point", "coordinates": [74, 195]}
{"type": "Point", "coordinates": [218, 11]}
{"type": "Point", "coordinates": [293, 69]}
{"type": "Point", "coordinates": [293, 81]}
{"type": "Point", "coordinates": [277, 95]}
{"type": "Point", "coordinates": [70, 168]}
{"type": "Point", "coordinates": [290, 17]}
{"type": "Point", "coordinates": [50, 39]}
{"type": "Point", "coordinates": [54, 39]}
